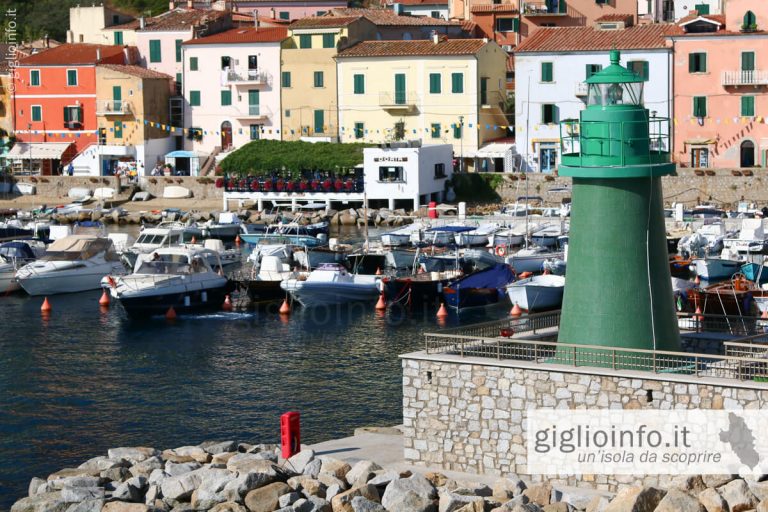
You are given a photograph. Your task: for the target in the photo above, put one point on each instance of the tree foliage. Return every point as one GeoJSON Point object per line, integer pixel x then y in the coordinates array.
{"type": "Point", "coordinates": [264, 156]}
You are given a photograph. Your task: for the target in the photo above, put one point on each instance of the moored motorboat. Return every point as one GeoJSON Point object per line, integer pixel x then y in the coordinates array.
{"type": "Point", "coordinates": [14, 255]}
{"type": "Point", "coordinates": [263, 285]}
{"type": "Point", "coordinates": [74, 263]}
{"type": "Point", "coordinates": [537, 293]}
{"type": "Point", "coordinates": [711, 269]}
{"type": "Point", "coordinates": [418, 289]}
{"type": "Point", "coordinates": [332, 284]}
{"type": "Point", "coordinates": [478, 236]}
{"type": "Point", "coordinates": [531, 259]}
{"type": "Point", "coordinates": [482, 288]}
{"type": "Point", "coordinates": [178, 277]}
{"type": "Point", "coordinates": [734, 297]}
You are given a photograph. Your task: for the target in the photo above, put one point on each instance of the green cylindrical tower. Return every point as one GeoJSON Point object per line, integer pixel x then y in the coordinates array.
{"type": "Point", "coordinates": [619, 291]}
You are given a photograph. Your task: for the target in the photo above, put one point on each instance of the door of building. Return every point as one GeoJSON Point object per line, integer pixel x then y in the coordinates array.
{"type": "Point", "coordinates": [117, 98]}
{"type": "Point", "coordinates": [699, 157]}
{"type": "Point", "coordinates": [253, 102]}
{"type": "Point", "coordinates": [547, 159]}
{"type": "Point", "coordinates": [226, 135]}
{"type": "Point", "coordinates": [747, 154]}
{"type": "Point", "coordinates": [400, 88]}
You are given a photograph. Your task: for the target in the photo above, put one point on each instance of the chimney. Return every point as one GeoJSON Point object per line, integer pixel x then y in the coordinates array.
{"type": "Point", "coordinates": [256, 19]}
{"type": "Point", "coordinates": [142, 23]}
{"type": "Point", "coordinates": [434, 36]}
{"type": "Point", "coordinates": [171, 5]}
{"type": "Point", "coordinates": [98, 54]}
{"type": "Point", "coordinates": [47, 41]}
{"type": "Point", "coordinates": [272, 13]}
{"type": "Point", "coordinates": [126, 56]}
{"type": "Point", "coordinates": [190, 4]}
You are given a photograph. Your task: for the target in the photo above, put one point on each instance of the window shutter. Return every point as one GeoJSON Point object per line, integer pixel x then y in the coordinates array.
{"type": "Point", "coordinates": [434, 83]}
{"type": "Point", "coordinates": [226, 98]}
{"type": "Point", "coordinates": [747, 106]}
{"type": "Point", "coordinates": [66, 115]}
{"type": "Point", "coordinates": [702, 8]}
{"type": "Point", "coordinates": [703, 63]}
{"type": "Point", "coordinates": [646, 70]}
{"type": "Point", "coordinates": [691, 62]}
{"type": "Point", "coordinates": [515, 25]}
{"type": "Point", "coordinates": [747, 61]}
{"type": "Point", "coordinates": [546, 72]}
{"type": "Point", "coordinates": [457, 83]}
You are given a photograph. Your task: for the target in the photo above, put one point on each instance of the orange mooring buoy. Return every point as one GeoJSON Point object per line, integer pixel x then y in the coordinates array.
{"type": "Point", "coordinates": [237, 240]}
{"type": "Point", "coordinates": [227, 306]}
{"type": "Point", "coordinates": [516, 310]}
{"type": "Point", "coordinates": [698, 316]}
{"type": "Point", "coordinates": [378, 271]}
{"type": "Point", "coordinates": [46, 307]}
{"type": "Point", "coordinates": [104, 300]}
{"type": "Point", "coordinates": [170, 314]}
{"type": "Point", "coordinates": [442, 312]}
{"type": "Point", "coordinates": [285, 308]}
{"type": "Point", "coordinates": [381, 304]}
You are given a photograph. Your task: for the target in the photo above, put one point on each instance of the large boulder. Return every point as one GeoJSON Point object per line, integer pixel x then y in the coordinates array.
{"type": "Point", "coordinates": [229, 506]}
{"type": "Point", "coordinates": [717, 480]}
{"type": "Point", "coordinates": [238, 487]}
{"type": "Point", "coordinates": [43, 502]}
{"type": "Point", "coordinates": [692, 484]}
{"type": "Point", "coordinates": [132, 490]}
{"type": "Point", "coordinates": [343, 502]}
{"type": "Point", "coordinates": [712, 501]}
{"type": "Point", "coordinates": [211, 490]}
{"type": "Point", "coordinates": [453, 502]}
{"type": "Point", "coordinates": [250, 462]}
{"type": "Point", "coordinates": [299, 461]}
{"type": "Point", "coordinates": [179, 468]}
{"type": "Point", "coordinates": [636, 499]}
{"type": "Point", "coordinates": [679, 501]}
{"type": "Point", "coordinates": [193, 452]}
{"type": "Point", "coordinates": [539, 494]}
{"type": "Point", "coordinates": [361, 472]}
{"type": "Point", "coordinates": [312, 469]}
{"type": "Point", "coordinates": [335, 467]}
{"type": "Point", "coordinates": [132, 454]}
{"type": "Point", "coordinates": [577, 498]}
{"type": "Point", "coordinates": [312, 504]}
{"type": "Point", "coordinates": [328, 480]}
{"type": "Point", "coordinates": [102, 463]}
{"type": "Point", "coordinates": [508, 488]}
{"type": "Point", "coordinates": [181, 487]}
{"type": "Point", "coordinates": [214, 447]}
{"type": "Point", "coordinates": [86, 506]}
{"type": "Point", "coordinates": [266, 499]}
{"type": "Point", "coordinates": [119, 506]}
{"type": "Point", "coordinates": [414, 494]}
{"type": "Point", "coordinates": [361, 504]}
{"type": "Point", "coordinates": [738, 496]}
{"type": "Point", "coordinates": [145, 467]}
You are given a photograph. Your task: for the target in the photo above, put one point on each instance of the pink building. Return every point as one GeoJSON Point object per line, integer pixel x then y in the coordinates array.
{"type": "Point", "coordinates": [720, 81]}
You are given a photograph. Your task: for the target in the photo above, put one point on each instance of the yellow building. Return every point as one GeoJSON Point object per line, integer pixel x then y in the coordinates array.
{"type": "Point", "coordinates": [441, 91]}
{"type": "Point", "coordinates": [131, 109]}
{"type": "Point", "coordinates": [308, 74]}
{"type": "Point", "coordinates": [90, 24]}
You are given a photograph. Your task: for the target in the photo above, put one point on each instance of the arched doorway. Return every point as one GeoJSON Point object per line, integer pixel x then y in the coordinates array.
{"type": "Point", "coordinates": [747, 154]}
{"type": "Point", "coordinates": [226, 135]}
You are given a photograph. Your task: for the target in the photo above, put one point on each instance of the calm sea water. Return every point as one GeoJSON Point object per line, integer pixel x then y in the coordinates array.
{"type": "Point", "coordinates": [83, 381]}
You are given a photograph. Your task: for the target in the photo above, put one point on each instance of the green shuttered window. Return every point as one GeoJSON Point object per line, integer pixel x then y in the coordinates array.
{"type": "Point", "coordinates": [359, 130]}
{"type": "Point", "coordinates": [434, 83]}
{"type": "Point", "coordinates": [457, 83]}
{"type": "Point", "coordinates": [748, 106]}
{"type": "Point", "coordinates": [328, 41]}
{"type": "Point", "coordinates": [155, 54]}
{"type": "Point", "coordinates": [194, 98]}
{"type": "Point", "coordinates": [226, 98]}
{"type": "Point", "coordinates": [359, 85]}
{"type": "Point", "coordinates": [697, 62]}
{"type": "Point", "coordinates": [547, 72]}
{"type": "Point", "coordinates": [700, 106]}
{"type": "Point", "coordinates": [285, 80]}
{"type": "Point", "coordinates": [305, 41]}
{"type": "Point", "coordinates": [319, 79]}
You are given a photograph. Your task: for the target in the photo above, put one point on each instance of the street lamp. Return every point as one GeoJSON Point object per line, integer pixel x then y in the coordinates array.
{"type": "Point", "coordinates": [461, 144]}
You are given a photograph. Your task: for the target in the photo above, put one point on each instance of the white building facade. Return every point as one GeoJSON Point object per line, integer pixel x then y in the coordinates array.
{"type": "Point", "coordinates": [550, 87]}
{"type": "Point", "coordinates": [232, 88]}
{"type": "Point", "coordinates": [674, 10]}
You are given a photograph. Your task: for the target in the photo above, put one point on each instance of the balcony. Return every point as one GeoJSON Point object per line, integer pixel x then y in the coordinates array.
{"type": "Point", "coordinates": [251, 112]}
{"type": "Point", "coordinates": [546, 8]}
{"type": "Point", "coordinates": [398, 101]}
{"type": "Point", "coordinates": [248, 77]}
{"type": "Point", "coordinates": [113, 108]}
{"type": "Point", "coordinates": [736, 78]}
{"type": "Point", "coordinates": [582, 89]}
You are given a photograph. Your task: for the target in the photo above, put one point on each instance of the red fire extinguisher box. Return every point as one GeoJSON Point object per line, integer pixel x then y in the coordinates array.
{"type": "Point", "coordinates": [290, 433]}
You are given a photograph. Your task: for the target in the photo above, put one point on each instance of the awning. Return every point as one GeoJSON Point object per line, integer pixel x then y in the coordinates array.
{"type": "Point", "coordinates": [495, 150]}
{"type": "Point", "coordinates": [183, 154]}
{"type": "Point", "coordinates": [700, 141]}
{"type": "Point", "coordinates": [38, 150]}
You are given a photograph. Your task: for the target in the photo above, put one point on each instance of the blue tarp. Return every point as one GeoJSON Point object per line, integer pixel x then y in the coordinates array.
{"type": "Point", "coordinates": [16, 250]}
{"type": "Point", "coordinates": [495, 277]}
{"type": "Point", "coordinates": [452, 229]}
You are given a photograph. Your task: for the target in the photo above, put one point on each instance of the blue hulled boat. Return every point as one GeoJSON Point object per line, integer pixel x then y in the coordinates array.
{"type": "Point", "coordinates": [482, 288]}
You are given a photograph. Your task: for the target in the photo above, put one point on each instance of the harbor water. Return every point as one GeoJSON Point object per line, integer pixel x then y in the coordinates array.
{"type": "Point", "coordinates": [82, 381]}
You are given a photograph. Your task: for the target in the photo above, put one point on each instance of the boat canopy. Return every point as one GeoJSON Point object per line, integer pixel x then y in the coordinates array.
{"type": "Point", "coordinates": [453, 229]}
{"type": "Point", "coordinates": [497, 276]}
{"type": "Point", "coordinates": [80, 247]}
{"type": "Point", "coordinates": [17, 250]}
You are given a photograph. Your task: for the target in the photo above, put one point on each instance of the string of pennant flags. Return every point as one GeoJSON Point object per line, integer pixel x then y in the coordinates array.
{"type": "Point", "coordinates": [264, 130]}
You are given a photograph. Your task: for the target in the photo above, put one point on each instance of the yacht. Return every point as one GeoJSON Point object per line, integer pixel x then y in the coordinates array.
{"type": "Point", "coordinates": [165, 234]}
{"type": "Point", "coordinates": [332, 284]}
{"type": "Point", "coordinates": [178, 277]}
{"type": "Point", "coordinates": [74, 263]}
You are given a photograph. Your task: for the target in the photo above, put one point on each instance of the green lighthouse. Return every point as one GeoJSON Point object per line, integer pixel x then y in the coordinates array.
{"type": "Point", "coordinates": [619, 291]}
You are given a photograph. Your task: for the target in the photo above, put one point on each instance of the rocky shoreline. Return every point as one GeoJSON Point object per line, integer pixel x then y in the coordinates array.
{"type": "Point", "coordinates": [240, 477]}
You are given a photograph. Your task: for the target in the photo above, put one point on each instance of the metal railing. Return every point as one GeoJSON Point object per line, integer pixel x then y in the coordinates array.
{"type": "Point", "coordinates": [248, 76]}
{"type": "Point", "coordinates": [751, 77]}
{"type": "Point", "coordinates": [545, 8]}
{"type": "Point", "coordinates": [113, 107]}
{"type": "Point", "coordinates": [398, 99]}
{"type": "Point", "coordinates": [733, 325]}
{"type": "Point", "coordinates": [611, 143]}
{"type": "Point", "coordinates": [501, 347]}
{"type": "Point", "coordinates": [252, 111]}
{"type": "Point", "coordinates": [529, 324]}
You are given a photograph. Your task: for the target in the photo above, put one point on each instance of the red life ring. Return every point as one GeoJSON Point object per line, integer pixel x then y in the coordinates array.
{"type": "Point", "coordinates": [501, 250]}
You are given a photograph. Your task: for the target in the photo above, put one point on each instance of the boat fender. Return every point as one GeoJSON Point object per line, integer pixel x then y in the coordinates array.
{"type": "Point", "coordinates": [501, 251]}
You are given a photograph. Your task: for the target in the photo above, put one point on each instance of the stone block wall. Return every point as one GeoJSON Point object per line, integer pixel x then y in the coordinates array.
{"type": "Point", "coordinates": [468, 415]}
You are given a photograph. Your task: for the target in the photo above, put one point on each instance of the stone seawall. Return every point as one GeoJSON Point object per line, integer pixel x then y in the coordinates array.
{"type": "Point", "coordinates": [467, 414]}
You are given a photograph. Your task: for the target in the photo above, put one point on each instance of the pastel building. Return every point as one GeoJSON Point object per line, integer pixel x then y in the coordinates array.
{"type": "Point", "coordinates": [55, 104]}
{"type": "Point", "coordinates": [308, 74]}
{"type": "Point", "coordinates": [442, 91]}
{"type": "Point", "coordinates": [287, 10]}
{"type": "Point", "coordinates": [87, 24]}
{"type": "Point", "coordinates": [232, 87]}
{"type": "Point", "coordinates": [721, 85]}
{"type": "Point", "coordinates": [432, 8]}
{"type": "Point", "coordinates": [550, 70]}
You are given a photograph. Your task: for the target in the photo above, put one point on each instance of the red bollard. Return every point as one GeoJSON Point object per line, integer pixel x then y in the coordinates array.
{"type": "Point", "coordinates": [290, 434]}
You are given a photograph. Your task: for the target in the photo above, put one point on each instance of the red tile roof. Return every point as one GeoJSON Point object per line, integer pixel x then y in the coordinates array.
{"type": "Point", "coordinates": [71, 54]}
{"type": "Point", "coordinates": [693, 15]}
{"type": "Point", "coordinates": [386, 17]}
{"type": "Point", "coordinates": [413, 48]}
{"type": "Point", "coordinates": [615, 17]}
{"type": "Point", "coordinates": [177, 19]}
{"type": "Point", "coordinates": [575, 39]}
{"type": "Point", "coordinates": [510, 8]}
{"type": "Point", "coordinates": [243, 35]}
{"type": "Point", "coordinates": [136, 71]}
{"type": "Point", "coordinates": [324, 21]}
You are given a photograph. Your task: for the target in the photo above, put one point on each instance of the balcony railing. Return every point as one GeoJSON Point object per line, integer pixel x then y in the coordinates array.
{"type": "Point", "coordinates": [113, 107]}
{"type": "Point", "coordinates": [548, 8]}
{"type": "Point", "coordinates": [252, 111]}
{"type": "Point", "coordinates": [398, 100]}
{"type": "Point", "coordinates": [248, 76]}
{"type": "Point", "coordinates": [753, 77]}
{"type": "Point", "coordinates": [582, 89]}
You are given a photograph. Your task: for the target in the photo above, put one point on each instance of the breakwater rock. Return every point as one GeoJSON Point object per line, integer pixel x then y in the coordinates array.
{"type": "Point", "coordinates": [231, 477]}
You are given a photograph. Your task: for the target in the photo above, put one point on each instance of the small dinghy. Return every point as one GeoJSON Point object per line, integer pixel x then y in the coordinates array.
{"type": "Point", "coordinates": [537, 293]}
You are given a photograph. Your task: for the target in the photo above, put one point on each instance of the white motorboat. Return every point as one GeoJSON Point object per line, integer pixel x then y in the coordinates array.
{"type": "Point", "coordinates": [165, 234]}
{"type": "Point", "coordinates": [402, 236]}
{"type": "Point", "coordinates": [331, 284]}
{"type": "Point", "coordinates": [751, 239]}
{"type": "Point", "coordinates": [531, 259]}
{"type": "Point", "coordinates": [75, 263]}
{"type": "Point", "coordinates": [715, 268]}
{"type": "Point", "coordinates": [263, 285]}
{"type": "Point", "coordinates": [478, 236]}
{"type": "Point", "coordinates": [548, 235]}
{"type": "Point", "coordinates": [537, 292]}
{"type": "Point", "coordinates": [227, 226]}
{"type": "Point", "coordinates": [510, 237]}
{"type": "Point", "coordinates": [14, 255]}
{"type": "Point", "coordinates": [178, 277]}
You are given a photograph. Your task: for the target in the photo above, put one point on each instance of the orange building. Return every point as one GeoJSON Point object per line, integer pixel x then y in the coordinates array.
{"type": "Point", "coordinates": [55, 104]}
{"type": "Point", "coordinates": [720, 74]}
